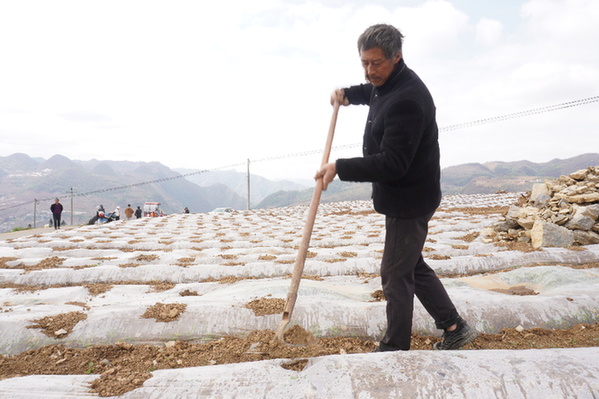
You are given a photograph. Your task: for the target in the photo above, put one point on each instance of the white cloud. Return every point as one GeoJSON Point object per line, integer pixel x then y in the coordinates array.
{"type": "Point", "coordinates": [204, 86]}
{"type": "Point", "coordinates": [488, 31]}
{"type": "Point", "coordinates": [432, 29]}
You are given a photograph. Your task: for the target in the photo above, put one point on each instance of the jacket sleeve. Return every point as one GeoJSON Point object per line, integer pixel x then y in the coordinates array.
{"type": "Point", "coordinates": [360, 94]}
{"type": "Point", "coordinates": [402, 131]}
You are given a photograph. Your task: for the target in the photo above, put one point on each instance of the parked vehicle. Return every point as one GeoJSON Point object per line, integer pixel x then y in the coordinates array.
{"type": "Point", "coordinates": [102, 217]}
{"type": "Point", "coordinates": [152, 209]}
{"type": "Point", "coordinates": [222, 210]}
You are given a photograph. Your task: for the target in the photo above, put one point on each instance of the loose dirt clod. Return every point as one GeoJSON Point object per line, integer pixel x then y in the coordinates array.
{"type": "Point", "coordinates": [264, 306]}
{"type": "Point", "coordinates": [165, 312]}
{"type": "Point", "coordinates": [188, 293]}
{"type": "Point", "coordinates": [159, 286]}
{"type": "Point", "coordinates": [98, 288]}
{"type": "Point", "coordinates": [517, 290]}
{"type": "Point", "coordinates": [295, 365]}
{"type": "Point", "coordinates": [378, 296]}
{"type": "Point", "coordinates": [296, 335]}
{"type": "Point", "coordinates": [58, 326]}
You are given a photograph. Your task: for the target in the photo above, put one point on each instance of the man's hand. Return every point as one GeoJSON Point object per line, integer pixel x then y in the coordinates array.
{"type": "Point", "coordinates": [327, 173]}
{"type": "Point", "coordinates": [339, 95]}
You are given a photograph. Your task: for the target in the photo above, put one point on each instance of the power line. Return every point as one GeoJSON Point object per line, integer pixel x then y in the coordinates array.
{"type": "Point", "coordinates": [501, 118]}
{"type": "Point", "coordinates": [478, 122]}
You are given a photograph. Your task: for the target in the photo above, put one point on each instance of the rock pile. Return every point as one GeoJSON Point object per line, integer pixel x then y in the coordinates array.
{"type": "Point", "coordinates": [558, 213]}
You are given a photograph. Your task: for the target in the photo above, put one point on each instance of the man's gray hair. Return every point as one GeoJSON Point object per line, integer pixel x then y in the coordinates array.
{"type": "Point", "coordinates": [386, 37]}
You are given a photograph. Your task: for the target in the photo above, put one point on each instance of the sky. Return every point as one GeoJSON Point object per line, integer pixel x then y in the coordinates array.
{"type": "Point", "coordinates": [219, 85]}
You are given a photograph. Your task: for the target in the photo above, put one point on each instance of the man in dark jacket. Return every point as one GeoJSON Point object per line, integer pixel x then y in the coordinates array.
{"type": "Point", "coordinates": [56, 209]}
{"type": "Point", "coordinates": [401, 159]}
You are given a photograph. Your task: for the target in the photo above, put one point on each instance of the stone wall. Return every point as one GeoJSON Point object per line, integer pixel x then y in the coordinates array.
{"type": "Point", "coordinates": [558, 213]}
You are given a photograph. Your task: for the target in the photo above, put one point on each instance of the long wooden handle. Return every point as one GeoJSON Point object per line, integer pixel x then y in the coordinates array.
{"type": "Point", "coordinates": [298, 270]}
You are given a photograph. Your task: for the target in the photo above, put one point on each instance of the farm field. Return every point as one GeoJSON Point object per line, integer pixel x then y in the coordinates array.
{"type": "Point", "coordinates": [186, 306]}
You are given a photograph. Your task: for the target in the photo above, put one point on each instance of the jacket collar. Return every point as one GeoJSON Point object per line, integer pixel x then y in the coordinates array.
{"type": "Point", "coordinates": [394, 77]}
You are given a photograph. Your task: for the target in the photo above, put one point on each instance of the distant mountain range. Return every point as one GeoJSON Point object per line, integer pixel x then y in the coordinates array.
{"type": "Point", "coordinates": [476, 178]}
{"type": "Point", "coordinates": [472, 178]}
{"type": "Point", "coordinates": [260, 187]}
{"type": "Point", "coordinates": [110, 183]}
{"type": "Point", "coordinates": [29, 185]}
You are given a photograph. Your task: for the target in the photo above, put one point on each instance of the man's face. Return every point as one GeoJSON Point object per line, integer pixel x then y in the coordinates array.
{"type": "Point", "coordinates": [377, 67]}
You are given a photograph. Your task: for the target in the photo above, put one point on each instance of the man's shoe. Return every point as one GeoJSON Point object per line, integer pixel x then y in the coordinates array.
{"type": "Point", "coordinates": [461, 336]}
{"type": "Point", "coordinates": [385, 348]}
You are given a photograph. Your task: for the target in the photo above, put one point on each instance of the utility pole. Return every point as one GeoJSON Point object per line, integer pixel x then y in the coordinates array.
{"type": "Point", "coordinates": [248, 184]}
{"type": "Point", "coordinates": [71, 206]}
{"type": "Point", "coordinates": [34, 212]}
{"type": "Point", "coordinates": [71, 192]}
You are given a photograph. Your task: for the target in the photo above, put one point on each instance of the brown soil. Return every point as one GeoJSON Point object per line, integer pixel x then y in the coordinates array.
{"type": "Point", "coordinates": [96, 289]}
{"type": "Point", "coordinates": [159, 286]}
{"type": "Point", "coordinates": [188, 293]}
{"type": "Point", "coordinates": [58, 326]}
{"type": "Point", "coordinates": [264, 306]}
{"type": "Point", "coordinates": [517, 290]}
{"type": "Point", "coordinates": [165, 312]}
{"type": "Point", "coordinates": [123, 367]}
{"type": "Point", "coordinates": [473, 210]}
{"type": "Point", "coordinates": [48, 263]}
{"type": "Point", "coordinates": [378, 296]}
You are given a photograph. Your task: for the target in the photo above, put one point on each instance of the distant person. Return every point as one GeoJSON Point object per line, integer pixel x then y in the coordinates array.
{"type": "Point", "coordinates": [56, 209]}
{"type": "Point", "coordinates": [129, 212]}
{"type": "Point", "coordinates": [100, 210]}
{"type": "Point", "coordinates": [186, 210]}
{"type": "Point", "coordinates": [117, 213]}
{"type": "Point", "coordinates": [401, 160]}
{"type": "Point", "coordinates": [138, 212]}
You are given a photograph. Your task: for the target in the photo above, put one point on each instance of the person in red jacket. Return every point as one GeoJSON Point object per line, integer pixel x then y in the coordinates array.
{"type": "Point", "coordinates": [56, 209]}
{"type": "Point", "coordinates": [401, 159]}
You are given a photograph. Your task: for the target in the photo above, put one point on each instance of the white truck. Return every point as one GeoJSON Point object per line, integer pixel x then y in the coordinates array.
{"type": "Point", "coordinates": [152, 209]}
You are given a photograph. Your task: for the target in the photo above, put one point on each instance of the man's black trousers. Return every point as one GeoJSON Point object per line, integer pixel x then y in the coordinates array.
{"type": "Point", "coordinates": [56, 218]}
{"type": "Point", "coordinates": [404, 273]}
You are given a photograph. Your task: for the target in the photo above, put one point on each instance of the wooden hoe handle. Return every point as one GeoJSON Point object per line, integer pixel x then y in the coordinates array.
{"type": "Point", "coordinates": [307, 233]}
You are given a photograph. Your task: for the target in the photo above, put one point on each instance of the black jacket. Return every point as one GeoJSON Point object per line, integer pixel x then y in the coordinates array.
{"type": "Point", "coordinates": [56, 209]}
{"type": "Point", "coordinates": [401, 148]}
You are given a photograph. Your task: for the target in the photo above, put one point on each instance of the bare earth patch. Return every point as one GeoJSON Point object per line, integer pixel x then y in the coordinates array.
{"type": "Point", "coordinates": [517, 290]}
{"type": "Point", "coordinates": [264, 306]}
{"type": "Point", "coordinates": [516, 246]}
{"type": "Point", "coordinates": [58, 326]}
{"type": "Point", "coordinates": [4, 260]}
{"type": "Point", "coordinates": [471, 210]}
{"type": "Point", "coordinates": [378, 296]}
{"type": "Point", "coordinates": [438, 257]}
{"type": "Point", "coordinates": [165, 312]}
{"type": "Point", "coordinates": [188, 293]}
{"type": "Point", "coordinates": [48, 263]}
{"type": "Point", "coordinates": [96, 289]}
{"type": "Point", "coordinates": [469, 237]}
{"type": "Point", "coordinates": [159, 286]}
